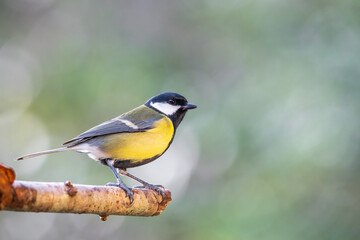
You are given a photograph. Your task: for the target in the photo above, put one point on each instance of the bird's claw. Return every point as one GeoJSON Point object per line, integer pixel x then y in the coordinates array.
{"type": "Point", "coordinates": [130, 195]}
{"type": "Point", "coordinates": [127, 190]}
{"type": "Point", "coordinates": [111, 184]}
{"type": "Point", "coordinates": [157, 188]}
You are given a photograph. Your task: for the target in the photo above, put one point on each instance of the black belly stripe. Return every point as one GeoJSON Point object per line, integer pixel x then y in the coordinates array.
{"type": "Point", "coordinates": [129, 163]}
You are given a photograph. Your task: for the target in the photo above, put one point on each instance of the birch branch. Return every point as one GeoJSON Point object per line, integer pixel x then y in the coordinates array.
{"type": "Point", "coordinates": [65, 197]}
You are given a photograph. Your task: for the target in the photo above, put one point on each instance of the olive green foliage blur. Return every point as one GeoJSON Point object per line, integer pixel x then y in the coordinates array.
{"type": "Point", "coordinates": [272, 152]}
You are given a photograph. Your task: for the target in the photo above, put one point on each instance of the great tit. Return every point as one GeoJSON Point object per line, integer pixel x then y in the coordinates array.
{"type": "Point", "coordinates": [131, 139]}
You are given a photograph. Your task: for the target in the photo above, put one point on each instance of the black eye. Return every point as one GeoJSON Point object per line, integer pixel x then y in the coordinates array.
{"type": "Point", "coordinates": [172, 102]}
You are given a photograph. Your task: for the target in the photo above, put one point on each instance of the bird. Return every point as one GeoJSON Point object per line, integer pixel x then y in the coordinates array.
{"type": "Point", "coordinates": [132, 139]}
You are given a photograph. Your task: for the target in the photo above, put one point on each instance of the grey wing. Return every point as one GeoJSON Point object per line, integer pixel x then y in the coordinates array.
{"type": "Point", "coordinates": [116, 125]}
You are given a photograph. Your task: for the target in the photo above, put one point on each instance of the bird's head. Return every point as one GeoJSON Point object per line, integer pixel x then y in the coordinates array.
{"type": "Point", "coordinates": [170, 104]}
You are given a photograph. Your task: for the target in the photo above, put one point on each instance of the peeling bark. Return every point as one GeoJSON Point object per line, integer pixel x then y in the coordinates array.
{"type": "Point", "coordinates": [75, 198]}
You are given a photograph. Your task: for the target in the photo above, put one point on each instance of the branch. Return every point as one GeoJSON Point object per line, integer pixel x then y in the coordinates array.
{"type": "Point", "coordinates": [65, 197]}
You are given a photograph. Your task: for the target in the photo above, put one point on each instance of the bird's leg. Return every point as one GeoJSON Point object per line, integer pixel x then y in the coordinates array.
{"type": "Point", "coordinates": [145, 184]}
{"type": "Point", "coordinates": [119, 183]}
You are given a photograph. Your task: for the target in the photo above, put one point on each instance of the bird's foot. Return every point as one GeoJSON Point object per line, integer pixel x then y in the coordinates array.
{"type": "Point", "coordinates": [157, 188]}
{"type": "Point", "coordinates": [127, 190]}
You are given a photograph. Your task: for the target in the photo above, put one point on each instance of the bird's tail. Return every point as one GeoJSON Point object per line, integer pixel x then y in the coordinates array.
{"type": "Point", "coordinates": [43, 153]}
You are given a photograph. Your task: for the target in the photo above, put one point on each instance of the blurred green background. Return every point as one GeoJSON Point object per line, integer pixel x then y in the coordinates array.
{"type": "Point", "coordinates": [272, 152]}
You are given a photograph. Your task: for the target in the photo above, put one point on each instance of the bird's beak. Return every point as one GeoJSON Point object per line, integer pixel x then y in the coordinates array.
{"type": "Point", "coordinates": [189, 106]}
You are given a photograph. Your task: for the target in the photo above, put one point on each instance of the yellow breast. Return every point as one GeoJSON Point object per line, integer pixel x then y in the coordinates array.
{"type": "Point", "coordinates": [139, 146]}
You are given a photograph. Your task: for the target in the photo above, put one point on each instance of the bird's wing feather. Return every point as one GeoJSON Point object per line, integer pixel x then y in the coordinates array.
{"type": "Point", "coordinates": [138, 120]}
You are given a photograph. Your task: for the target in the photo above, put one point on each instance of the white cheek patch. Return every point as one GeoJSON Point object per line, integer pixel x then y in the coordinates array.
{"type": "Point", "coordinates": [165, 108]}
